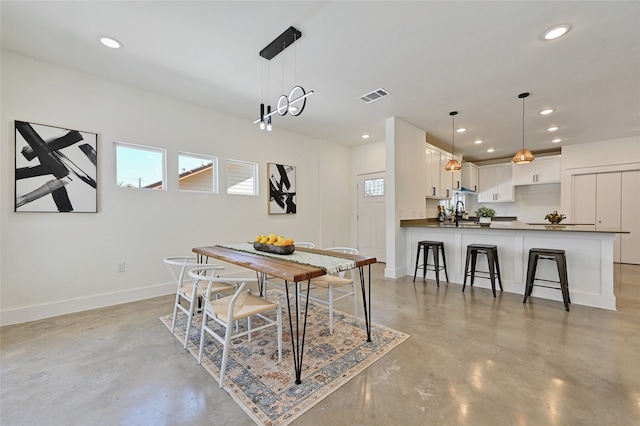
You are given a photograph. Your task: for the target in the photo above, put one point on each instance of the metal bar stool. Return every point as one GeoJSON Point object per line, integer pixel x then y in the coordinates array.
{"type": "Point", "coordinates": [557, 256]}
{"type": "Point", "coordinates": [491, 252]}
{"type": "Point", "coordinates": [436, 248]}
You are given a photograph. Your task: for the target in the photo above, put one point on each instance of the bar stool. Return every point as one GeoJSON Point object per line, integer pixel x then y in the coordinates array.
{"type": "Point", "coordinates": [434, 246]}
{"type": "Point", "coordinates": [491, 252]}
{"type": "Point", "coordinates": [557, 256]}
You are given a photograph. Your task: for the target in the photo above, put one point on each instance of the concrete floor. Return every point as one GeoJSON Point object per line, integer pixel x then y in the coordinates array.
{"type": "Point", "coordinates": [471, 360]}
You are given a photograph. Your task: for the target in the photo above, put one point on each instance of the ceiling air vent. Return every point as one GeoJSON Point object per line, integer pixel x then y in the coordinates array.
{"type": "Point", "coordinates": [374, 96]}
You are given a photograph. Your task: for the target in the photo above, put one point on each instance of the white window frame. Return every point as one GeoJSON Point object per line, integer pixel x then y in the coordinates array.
{"type": "Point", "coordinates": [214, 172]}
{"type": "Point", "coordinates": [255, 184]}
{"type": "Point", "coordinates": [161, 151]}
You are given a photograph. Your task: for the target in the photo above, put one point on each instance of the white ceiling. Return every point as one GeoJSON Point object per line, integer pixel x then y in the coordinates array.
{"type": "Point", "coordinates": [432, 56]}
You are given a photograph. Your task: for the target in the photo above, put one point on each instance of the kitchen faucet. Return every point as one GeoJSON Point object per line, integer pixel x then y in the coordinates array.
{"type": "Point", "coordinates": [458, 213]}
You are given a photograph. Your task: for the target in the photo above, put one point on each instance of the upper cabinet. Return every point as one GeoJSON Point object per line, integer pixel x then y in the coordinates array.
{"type": "Point", "coordinates": [495, 183]}
{"type": "Point", "coordinates": [540, 170]}
{"type": "Point", "coordinates": [469, 177]}
{"type": "Point", "coordinates": [440, 183]}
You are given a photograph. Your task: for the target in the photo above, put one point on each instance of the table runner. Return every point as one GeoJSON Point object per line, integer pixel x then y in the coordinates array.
{"type": "Point", "coordinates": [330, 264]}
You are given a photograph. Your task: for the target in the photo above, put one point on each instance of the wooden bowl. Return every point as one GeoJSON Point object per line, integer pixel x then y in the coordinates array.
{"type": "Point", "coordinates": [270, 248]}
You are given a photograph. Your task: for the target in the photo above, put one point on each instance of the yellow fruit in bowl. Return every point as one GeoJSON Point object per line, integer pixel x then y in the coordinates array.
{"type": "Point", "coordinates": [287, 242]}
{"type": "Point", "coordinates": [264, 240]}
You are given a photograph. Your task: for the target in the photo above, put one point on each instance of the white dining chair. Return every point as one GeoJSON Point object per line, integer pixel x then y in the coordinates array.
{"type": "Point", "coordinates": [333, 285]}
{"type": "Point", "coordinates": [186, 291]}
{"type": "Point", "coordinates": [224, 311]}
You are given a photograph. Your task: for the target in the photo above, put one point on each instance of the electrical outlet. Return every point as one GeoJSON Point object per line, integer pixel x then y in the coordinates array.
{"type": "Point", "coordinates": [120, 267]}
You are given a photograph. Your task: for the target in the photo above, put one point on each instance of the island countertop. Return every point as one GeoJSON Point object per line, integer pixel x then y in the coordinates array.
{"type": "Point", "coordinates": [589, 254]}
{"type": "Point", "coordinates": [511, 226]}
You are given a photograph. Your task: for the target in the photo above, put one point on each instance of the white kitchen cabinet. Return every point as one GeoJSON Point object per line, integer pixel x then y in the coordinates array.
{"type": "Point", "coordinates": [456, 177]}
{"type": "Point", "coordinates": [495, 184]}
{"type": "Point", "coordinates": [432, 163]}
{"type": "Point", "coordinates": [611, 200]}
{"type": "Point", "coordinates": [448, 180]}
{"type": "Point", "coordinates": [469, 177]}
{"type": "Point", "coordinates": [630, 218]}
{"type": "Point", "coordinates": [541, 170]}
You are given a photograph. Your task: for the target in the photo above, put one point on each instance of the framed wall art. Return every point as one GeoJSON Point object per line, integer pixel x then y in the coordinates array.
{"type": "Point", "coordinates": [55, 169]}
{"type": "Point", "coordinates": [282, 188]}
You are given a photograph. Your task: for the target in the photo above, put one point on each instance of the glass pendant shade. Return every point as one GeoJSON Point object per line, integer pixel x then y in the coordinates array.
{"type": "Point", "coordinates": [523, 156]}
{"type": "Point", "coordinates": [453, 166]}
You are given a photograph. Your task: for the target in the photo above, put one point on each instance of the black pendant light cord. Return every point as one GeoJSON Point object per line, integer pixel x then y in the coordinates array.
{"type": "Point", "coordinates": [453, 132]}
{"type": "Point", "coordinates": [522, 96]}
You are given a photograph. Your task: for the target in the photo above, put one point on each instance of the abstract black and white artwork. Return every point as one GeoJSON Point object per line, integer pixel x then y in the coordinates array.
{"type": "Point", "coordinates": [56, 169]}
{"type": "Point", "coordinates": [282, 189]}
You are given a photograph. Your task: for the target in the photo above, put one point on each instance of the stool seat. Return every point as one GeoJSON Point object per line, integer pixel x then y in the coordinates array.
{"type": "Point", "coordinates": [557, 256]}
{"type": "Point", "coordinates": [491, 251]}
{"type": "Point", "coordinates": [437, 248]}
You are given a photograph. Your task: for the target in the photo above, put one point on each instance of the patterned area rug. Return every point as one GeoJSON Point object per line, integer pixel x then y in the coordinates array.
{"type": "Point", "coordinates": [267, 391]}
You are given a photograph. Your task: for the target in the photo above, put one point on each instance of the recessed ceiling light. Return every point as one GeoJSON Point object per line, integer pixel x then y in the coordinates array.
{"type": "Point", "coordinates": [365, 136]}
{"type": "Point", "coordinates": [479, 141]}
{"type": "Point", "coordinates": [110, 42]}
{"type": "Point", "coordinates": [461, 130]}
{"type": "Point", "coordinates": [556, 140]}
{"type": "Point", "coordinates": [490, 150]}
{"type": "Point", "coordinates": [556, 32]}
{"type": "Point", "coordinates": [546, 111]}
{"type": "Point", "coordinates": [552, 129]}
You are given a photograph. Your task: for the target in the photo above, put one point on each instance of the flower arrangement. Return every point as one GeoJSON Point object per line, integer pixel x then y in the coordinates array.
{"type": "Point", "coordinates": [485, 212]}
{"type": "Point", "coordinates": [555, 217]}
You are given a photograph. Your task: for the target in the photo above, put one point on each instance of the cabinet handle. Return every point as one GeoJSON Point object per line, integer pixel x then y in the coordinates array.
{"type": "Point", "coordinates": [448, 193]}
{"type": "Point", "coordinates": [434, 190]}
{"type": "Point", "coordinates": [457, 184]}
{"type": "Point", "coordinates": [475, 188]}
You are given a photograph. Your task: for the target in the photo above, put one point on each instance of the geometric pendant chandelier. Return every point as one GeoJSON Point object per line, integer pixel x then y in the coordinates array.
{"type": "Point", "coordinates": [286, 103]}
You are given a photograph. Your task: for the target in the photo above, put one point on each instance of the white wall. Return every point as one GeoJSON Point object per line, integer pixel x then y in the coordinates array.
{"type": "Point", "coordinates": [532, 204]}
{"type": "Point", "coordinates": [54, 263]}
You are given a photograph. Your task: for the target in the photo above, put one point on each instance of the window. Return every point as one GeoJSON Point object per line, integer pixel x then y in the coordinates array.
{"type": "Point", "coordinates": [242, 178]}
{"type": "Point", "coordinates": [374, 187]}
{"type": "Point", "coordinates": [197, 173]}
{"type": "Point", "coordinates": [140, 167]}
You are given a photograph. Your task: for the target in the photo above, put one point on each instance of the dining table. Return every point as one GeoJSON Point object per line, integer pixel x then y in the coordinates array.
{"type": "Point", "coordinates": [295, 269]}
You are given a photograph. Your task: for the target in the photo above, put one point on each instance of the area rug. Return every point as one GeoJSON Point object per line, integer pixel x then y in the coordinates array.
{"type": "Point", "coordinates": [267, 391]}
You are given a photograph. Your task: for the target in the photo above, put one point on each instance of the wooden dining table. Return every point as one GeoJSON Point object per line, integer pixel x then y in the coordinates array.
{"type": "Point", "coordinates": [293, 273]}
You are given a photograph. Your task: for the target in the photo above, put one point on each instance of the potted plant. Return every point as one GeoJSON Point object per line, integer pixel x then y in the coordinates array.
{"type": "Point", "coordinates": [485, 214]}
{"type": "Point", "coordinates": [554, 217]}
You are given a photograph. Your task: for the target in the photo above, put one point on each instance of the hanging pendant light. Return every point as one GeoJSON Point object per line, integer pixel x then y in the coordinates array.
{"type": "Point", "coordinates": [523, 156]}
{"type": "Point", "coordinates": [453, 165]}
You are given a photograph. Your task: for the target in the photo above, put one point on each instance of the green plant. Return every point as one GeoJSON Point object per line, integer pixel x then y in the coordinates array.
{"type": "Point", "coordinates": [555, 217]}
{"type": "Point", "coordinates": [485, 212]}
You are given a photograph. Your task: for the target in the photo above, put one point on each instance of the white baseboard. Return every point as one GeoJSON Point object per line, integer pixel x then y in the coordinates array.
{"type": "Point", "coordinates": [32, 313]}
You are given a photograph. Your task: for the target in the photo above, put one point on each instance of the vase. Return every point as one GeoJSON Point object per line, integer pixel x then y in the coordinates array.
{"type": "Point", "coordinates": [484, 221]}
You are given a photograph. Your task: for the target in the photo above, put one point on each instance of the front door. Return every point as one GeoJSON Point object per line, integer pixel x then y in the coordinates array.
{"type": "Point", "coordinates": [371, 216]}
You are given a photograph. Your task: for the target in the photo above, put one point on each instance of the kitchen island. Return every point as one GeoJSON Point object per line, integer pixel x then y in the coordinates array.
{"type": "Point", "coordinates": [589, 255]}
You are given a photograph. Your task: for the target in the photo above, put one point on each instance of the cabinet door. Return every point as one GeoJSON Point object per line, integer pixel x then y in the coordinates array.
{"type": "Point", "coordinates": [470, 177]}
{"type": "Point", "coordinates": [486, 184]}
{"type": "Point", "coordinates": [548, 170]}
{"type": "Point", "coordinates": [432, 183]}
{"type": "Point", "coordinates": [456, 178]}
{"type": "Point", "coordinates": [583, 205]}
{"type": "Point", "coordinates": [608, 199]}
{"type": "Point", "coordinates": [504, 183]}
{"type": "Point", "coordinates": [446, 178]}
{"type": "Point", "coordinates": [524, 174]}
{"type": "Point", "coordinates": [630, 218]}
